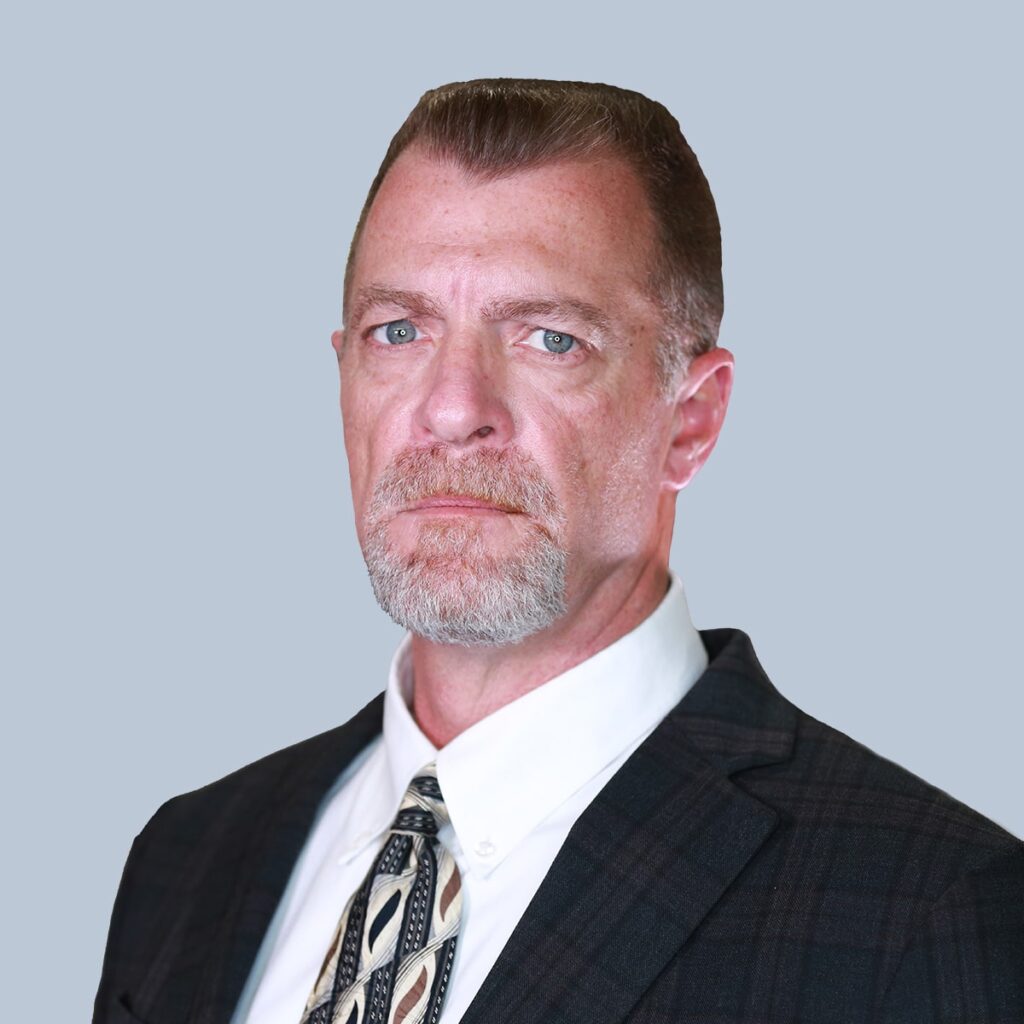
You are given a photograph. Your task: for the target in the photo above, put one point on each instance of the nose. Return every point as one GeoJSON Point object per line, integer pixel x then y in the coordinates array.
{"type": "Point", "coordinates": [464, 401]}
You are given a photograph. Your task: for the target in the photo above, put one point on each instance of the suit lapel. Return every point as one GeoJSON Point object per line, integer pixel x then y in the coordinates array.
{"type": "Point", "coordinates": [650, 857]}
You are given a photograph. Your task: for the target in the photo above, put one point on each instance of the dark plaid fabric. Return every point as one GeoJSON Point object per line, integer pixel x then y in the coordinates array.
{"type": "Point", "coordinates": [747, 864]}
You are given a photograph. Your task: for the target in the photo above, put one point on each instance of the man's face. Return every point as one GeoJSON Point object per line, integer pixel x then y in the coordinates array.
{"type": "Point", "coordinates": [504, 424]}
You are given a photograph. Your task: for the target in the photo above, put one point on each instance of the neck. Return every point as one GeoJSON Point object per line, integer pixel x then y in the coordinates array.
{"type": "Point", "coordinates": [455, 687]}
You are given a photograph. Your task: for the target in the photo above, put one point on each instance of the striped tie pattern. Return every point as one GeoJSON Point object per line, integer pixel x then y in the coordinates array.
{"type": "Point", "coordinates": [392, 952]}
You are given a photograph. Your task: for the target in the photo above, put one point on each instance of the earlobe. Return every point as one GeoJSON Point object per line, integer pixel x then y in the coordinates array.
{"type": "Point", "coordinates": [699, 413]}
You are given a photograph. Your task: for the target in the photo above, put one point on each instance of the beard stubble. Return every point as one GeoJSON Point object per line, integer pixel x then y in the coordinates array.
{"type": "Point", "coordinates": [451, 587]}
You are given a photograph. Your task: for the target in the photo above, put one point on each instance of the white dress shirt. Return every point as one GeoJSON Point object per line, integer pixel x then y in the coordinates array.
{"type": "Point", "coordinates": [514, 784]}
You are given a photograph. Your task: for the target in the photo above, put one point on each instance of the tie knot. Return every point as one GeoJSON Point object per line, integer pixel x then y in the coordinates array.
{"type": "Point", "coordinates": [422, 811]}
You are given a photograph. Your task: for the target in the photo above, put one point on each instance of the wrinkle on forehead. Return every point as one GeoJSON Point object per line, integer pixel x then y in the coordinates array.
{"type": "Point", "coordinates": [574, 229]}
{"type": "Point", "coordinates": [450, 207]}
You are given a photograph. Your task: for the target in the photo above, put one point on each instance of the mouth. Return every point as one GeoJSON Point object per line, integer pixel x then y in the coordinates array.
{"type": "Point", "coordinates": [459, 504]}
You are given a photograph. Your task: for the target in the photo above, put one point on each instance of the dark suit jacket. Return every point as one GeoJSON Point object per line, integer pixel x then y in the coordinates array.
{"type": "Point", "coordinates": [747, 863]}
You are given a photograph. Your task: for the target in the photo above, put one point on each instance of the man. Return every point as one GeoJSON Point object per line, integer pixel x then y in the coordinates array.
{"type": "Point", "coordinates": [568, 805]}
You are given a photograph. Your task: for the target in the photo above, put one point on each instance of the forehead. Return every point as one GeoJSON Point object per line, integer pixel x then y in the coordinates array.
{"type": "Point", "coordinates": [572, 226]}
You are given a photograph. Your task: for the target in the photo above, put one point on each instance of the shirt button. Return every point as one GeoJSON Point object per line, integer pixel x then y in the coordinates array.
{"type": "Point", "coordinates": [485, 848]}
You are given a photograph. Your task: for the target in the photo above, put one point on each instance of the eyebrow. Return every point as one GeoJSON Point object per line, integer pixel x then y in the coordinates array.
{"type": "Point", "coordinates": [417, 303]}
{"type": "Point", "coordinates": [558, 307]}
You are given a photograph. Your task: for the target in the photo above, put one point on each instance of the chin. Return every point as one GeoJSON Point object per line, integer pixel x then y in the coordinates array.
{"type": "Point", "coordinates": [452, 588]}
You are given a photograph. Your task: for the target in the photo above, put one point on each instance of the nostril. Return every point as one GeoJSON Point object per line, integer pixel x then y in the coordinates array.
{"type": "Point", "coordinates": [484, 431]}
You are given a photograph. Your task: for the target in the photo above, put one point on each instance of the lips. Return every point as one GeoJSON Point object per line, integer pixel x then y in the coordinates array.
{"type": "Point", "coordinates": [458, 501]}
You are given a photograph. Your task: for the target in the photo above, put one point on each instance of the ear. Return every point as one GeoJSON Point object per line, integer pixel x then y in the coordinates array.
{"type": "Point", "coordinates": [699, 412]}
{"type": "Point", "coordinates": [338, 341]}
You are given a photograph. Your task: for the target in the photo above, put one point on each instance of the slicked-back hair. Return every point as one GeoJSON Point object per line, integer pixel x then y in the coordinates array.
{"type": "Point", "coordinates": [494, 127]}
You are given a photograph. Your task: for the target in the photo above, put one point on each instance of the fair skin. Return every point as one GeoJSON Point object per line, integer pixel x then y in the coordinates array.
{"type": "Point", "coordinates": [477, 272]}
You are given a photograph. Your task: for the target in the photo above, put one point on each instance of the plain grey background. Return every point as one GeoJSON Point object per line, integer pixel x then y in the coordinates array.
{"type": "Point", "coordinates": [182, 590]}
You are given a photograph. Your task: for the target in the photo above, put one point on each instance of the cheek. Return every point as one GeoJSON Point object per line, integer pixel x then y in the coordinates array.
{"type": "Point", "coordinates": [554, 434]}
{"type": "Point", "coordinates": [620, 480]}
{"type": "Point", "coordinates": [367, 442]}
{"type": "Point", "coordinates": [601, 462]}
{"type": "Point", "coordinates": [632, 479]}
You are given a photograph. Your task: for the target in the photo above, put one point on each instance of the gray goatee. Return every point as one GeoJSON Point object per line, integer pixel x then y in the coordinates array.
{"type": "Point", "coordinates": [451, 589]}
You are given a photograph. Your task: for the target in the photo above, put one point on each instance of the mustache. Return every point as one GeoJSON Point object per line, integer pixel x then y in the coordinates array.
{"type": "Point", "coordinates": [506, 477]}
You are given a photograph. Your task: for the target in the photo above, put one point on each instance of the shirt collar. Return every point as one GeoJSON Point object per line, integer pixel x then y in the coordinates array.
{"type": "Point", "coordinates": [505, 774]}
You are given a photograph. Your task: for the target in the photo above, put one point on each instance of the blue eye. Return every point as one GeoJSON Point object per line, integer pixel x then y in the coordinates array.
{"type": "Point", "coordinates": [557, 342]}
{"type": "Point", "coordinates": [397, 332]}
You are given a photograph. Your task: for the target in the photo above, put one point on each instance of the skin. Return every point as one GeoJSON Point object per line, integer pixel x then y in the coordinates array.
{"type": "Point", "coordinates": [614, 448]}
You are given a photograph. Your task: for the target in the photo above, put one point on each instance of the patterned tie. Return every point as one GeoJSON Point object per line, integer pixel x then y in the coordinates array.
{"type": "Point", "coordinates": [392, 952]}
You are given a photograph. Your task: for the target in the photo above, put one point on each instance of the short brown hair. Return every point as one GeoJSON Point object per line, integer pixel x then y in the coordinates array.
{"type": "Point", "coordinates": [496, 126]}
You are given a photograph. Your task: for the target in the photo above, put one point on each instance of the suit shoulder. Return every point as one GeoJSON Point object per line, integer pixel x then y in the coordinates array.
{"type": "Point", "coordinates": [313, 762]}
{"type": "Point", "coordinates": [813, 774]}
{"type": "Point", "coordinates": [837, 780]}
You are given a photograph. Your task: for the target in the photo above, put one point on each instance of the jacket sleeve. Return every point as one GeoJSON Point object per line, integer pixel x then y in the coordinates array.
{"type": "Point", "coordinates": [965, 962]}
{"type": "Point", "coordinates": [122, 937]}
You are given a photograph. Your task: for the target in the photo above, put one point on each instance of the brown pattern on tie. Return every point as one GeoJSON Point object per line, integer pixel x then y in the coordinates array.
{"type": "Point", "coordinates": [451, 890]}
{"type": "Point", "coordinates": [411, 997]}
